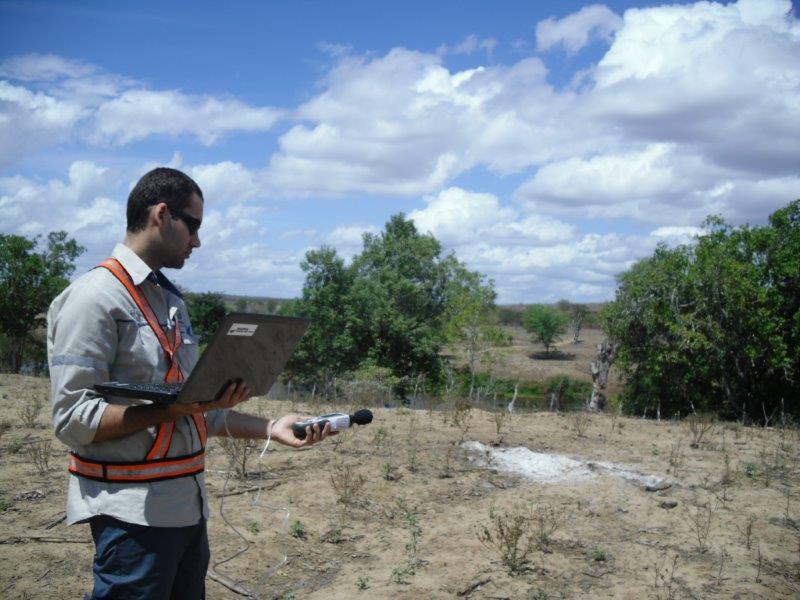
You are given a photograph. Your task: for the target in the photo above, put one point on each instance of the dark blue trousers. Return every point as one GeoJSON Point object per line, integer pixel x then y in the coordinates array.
{"type": "Point", "coordinates": [143, 563]}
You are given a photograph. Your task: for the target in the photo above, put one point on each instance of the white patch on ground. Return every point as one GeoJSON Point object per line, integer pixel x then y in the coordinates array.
{"type": "Point", "coordinates": [550, 468]}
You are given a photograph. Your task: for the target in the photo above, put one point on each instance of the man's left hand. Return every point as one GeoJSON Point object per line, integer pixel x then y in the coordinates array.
{"type": "Point", "coordinates": [282, 432]}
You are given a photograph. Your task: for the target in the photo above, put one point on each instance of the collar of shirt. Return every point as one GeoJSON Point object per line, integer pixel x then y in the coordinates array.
{"type": "Point", "coordinates": [134, 265]}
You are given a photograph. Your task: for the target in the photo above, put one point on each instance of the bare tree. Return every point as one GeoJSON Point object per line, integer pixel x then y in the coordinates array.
{"type": "Point", "coordinates": [606, 353]}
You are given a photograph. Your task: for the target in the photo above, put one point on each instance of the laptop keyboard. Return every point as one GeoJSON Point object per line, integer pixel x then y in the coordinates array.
{"type": "Point", "coordinates": [157, 387]}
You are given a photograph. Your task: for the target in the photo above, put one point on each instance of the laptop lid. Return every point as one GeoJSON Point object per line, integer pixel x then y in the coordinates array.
{"type": "Point", "coordinates": [249, 347]}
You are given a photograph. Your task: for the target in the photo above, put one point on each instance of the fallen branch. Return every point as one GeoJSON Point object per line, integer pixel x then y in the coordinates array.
{"type": "Point", "coordinates": [228, 583]}
{"type": "Point", "coordinates": [250, 489]}
{"type": "Point", "coordinates": [19, 539]}
{"type": "Point", "coordinates": [52, 524]}
{"type": "Point", "coordinates": [595, 575]}
{"type": "Point", "coordinates": [468, 590]}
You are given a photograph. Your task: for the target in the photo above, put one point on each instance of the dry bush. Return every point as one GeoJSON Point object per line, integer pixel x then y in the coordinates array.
{"type": "Point", "coordinates": [28, 412]}
{"type": "Point", "coordinates": [747, 531]}
{"type": "Point", "coordinates": [500, 419]}
{"type": "Point", "coordinates": [379, 438]}
{"type": "Point", "coordinates": [676, 457]}
{"type": "Point", "coordinates": [460, 413]}
{"type": "Point", "coordinates": [337, 441]}
{"type": "Point", "coordinates": [39, 454]}
{"type": "Point", "coordinates": [699, 521]}
{"type": "Point", "coordinates": [547, 520]}
{"type": "Point", "coordinates": [512, 535]}
{"type": "Point", "coordinates": [700, 425]}
{"type": "Point", "coordinates": [347, 484]}
{"type": "Point", "coordinates": [5, 426]}
{"type": "Point", "coordinates": [580, 421]}
{"type": "Point", "coordinates": [447, 470]}
{"type": "Point", "coordinates": [664, 584]}
{"type": "Point", "coordinates": [238, 451]}
{"type": "Point", "coordinates": [412, 444]}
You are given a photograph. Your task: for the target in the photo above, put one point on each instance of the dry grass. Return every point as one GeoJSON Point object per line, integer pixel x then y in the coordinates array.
{"type": "Point", "coordinates": [751, 540]}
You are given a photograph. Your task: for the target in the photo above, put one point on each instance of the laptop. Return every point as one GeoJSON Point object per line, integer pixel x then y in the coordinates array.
{"type": "Point", "coordinates": [246, 347]}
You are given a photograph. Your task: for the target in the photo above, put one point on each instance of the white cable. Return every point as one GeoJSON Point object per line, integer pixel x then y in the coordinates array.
{"type": "Point", "coordinates": [255, 592]}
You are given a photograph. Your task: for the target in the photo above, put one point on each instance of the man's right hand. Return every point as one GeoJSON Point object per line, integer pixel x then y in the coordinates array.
{"type": "Point", "coordinates": [118, 421]}
{"type": "Point", "coordinates": [234, 394]}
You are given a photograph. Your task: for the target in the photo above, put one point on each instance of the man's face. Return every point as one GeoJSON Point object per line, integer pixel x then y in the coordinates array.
{"type": "Point", "coordinates": [181, 233]}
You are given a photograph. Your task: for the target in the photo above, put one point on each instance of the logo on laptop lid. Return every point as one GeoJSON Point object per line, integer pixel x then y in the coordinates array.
{"type": "Point", "coordinates": [243, 329]}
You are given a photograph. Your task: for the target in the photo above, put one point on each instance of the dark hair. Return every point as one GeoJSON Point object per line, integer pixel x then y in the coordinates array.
{"type": "Point", "coordinates": [159, 185]}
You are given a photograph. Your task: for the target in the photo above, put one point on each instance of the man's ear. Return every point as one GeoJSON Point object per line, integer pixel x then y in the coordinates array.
{"type": "Point", "coordinates": [158, 214]}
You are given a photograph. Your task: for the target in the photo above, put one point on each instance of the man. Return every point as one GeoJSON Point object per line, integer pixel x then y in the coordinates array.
{"type": "Point", "coordinates": [136, 468]}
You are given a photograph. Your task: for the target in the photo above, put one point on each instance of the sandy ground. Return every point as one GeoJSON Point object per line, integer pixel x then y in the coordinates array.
{"type": "Point", "coordinates": [411, 529]}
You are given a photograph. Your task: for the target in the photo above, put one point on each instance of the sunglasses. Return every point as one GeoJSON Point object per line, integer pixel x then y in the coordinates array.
{"type": "Point", "coordinates": [192, 223]}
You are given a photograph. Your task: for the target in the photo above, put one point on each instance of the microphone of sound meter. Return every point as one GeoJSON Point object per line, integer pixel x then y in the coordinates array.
{"type": "Point", "coordinates": [338, 422]}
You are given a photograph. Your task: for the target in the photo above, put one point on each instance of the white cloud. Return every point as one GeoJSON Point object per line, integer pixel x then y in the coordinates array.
{"type": "Point", "coordinates": [83, 205]}
{"type": "Point", "coordinates": [348, 239]}
{"type": "Point", "coordinates": [138, 114]}
{"type": "Point", "coordinates": [721, 80]}
{"type": "Point", "coordinates": [457, 217]}
{"type": "Point", "coordinates": [472, 43]}
{"type": "Point", "coordinates": [577, 29]}
{"type": "Point", "coordinates": [61, 99]}
{"type": "Point", "coordinates": [32, 120]}
{"type": "Point", "coordinates": [226, 182]}
{"type": "Point", "coordinates": [682, 234]}
{"type": "Point", "coordinates": [43, 67]}
{"type": "Point", "coordinates": [667, 117]}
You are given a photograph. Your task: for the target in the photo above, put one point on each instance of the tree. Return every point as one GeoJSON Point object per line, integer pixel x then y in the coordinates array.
{"type": "Point", "coordinates": [387, 309]}
{"type": "Point", "coordinates": [29, 280]}
{"type": "Point", "coordinates": [328, 347]}
{"type": "Point", "coordinates": [713, 325]}
{"type": "Point", "coordinates": [471, 322]}
{"type": "Point", "coordinates": [206, 312]}
{"type": "Point", "coordinates": [578, 315]}
{"type": "Point", "coordinates": [545, 323]}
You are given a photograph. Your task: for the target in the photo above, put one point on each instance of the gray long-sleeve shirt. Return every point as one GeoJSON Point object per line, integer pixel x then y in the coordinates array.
{"type": "Point", "coordinates": [96, 333]}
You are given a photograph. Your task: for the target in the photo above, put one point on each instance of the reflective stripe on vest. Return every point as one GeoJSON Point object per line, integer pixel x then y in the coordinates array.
{"type": "Point", "coordinates": [156, 465]}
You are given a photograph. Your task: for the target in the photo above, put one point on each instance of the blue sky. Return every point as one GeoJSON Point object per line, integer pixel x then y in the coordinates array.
{"type": "Point", "coordinates": [549, 145]}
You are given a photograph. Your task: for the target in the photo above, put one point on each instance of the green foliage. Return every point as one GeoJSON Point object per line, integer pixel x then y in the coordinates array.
{"type": "Point", "coordinates": [713, 326]}
{"type": "Point", "coordinates": [298, 530]}
{"type": "Point", "coordinates": [568, 393]}
{"type": "Point", "coordinates": [545, 323]}
{"type": "Point", "coordinates": [206, 312]}
{"type": "Point", "coordinates": [30, 278]}
{"type": "Point", "coordinates": [471, 321]}
{"type": "Point", "coordinates": [389, 308]}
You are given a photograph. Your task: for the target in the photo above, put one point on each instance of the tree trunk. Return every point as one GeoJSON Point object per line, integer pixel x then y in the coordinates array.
{"type": "Point", "coordinates": [16, 353]}
{"type": "Point", "coordinates": [606, 353]}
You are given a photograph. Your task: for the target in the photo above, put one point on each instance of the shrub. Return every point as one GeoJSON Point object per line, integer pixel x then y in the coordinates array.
{"type": "Point", "coordinates": [39, 454]}
{"type": "Point", "coordinates": [545, 323]}
{"type": "Point", "coordinates": [238, 451]}
{"type": "Point", "coordinates": [347, 484]}
{"type": "Point", "coordinates": [298, 530]}
{"type": "Point", "coordinates": [512, 535]}
{"type": "Point", "coordinates": [28, 412]}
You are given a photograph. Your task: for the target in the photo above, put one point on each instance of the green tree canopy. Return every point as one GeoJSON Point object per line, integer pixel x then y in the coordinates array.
{"type": "Point", "coordinates": [206, 312]}
{"type": "Point", "coordinates": [545, 323]}
{"type": "Point", "coordinates": [31, 275]}
{"type": "Point", "coordinates": [388, 308]}
{"type": "Point", "coordinates": [714, 325]}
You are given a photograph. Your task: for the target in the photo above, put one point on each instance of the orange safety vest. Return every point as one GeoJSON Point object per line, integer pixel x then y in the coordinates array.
{"type": "Point", "coordinates": [156, 466]}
